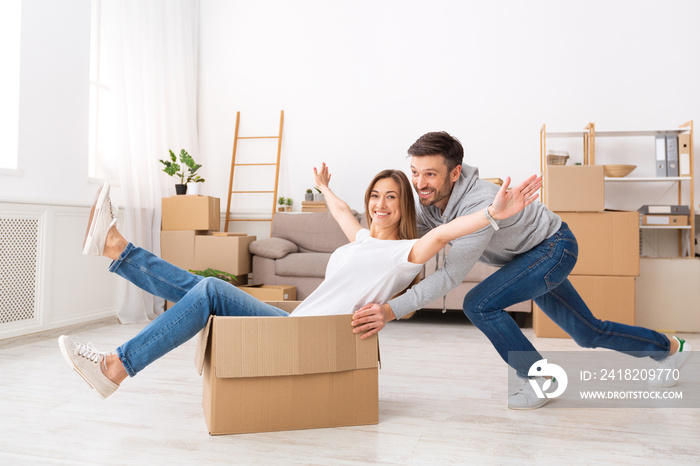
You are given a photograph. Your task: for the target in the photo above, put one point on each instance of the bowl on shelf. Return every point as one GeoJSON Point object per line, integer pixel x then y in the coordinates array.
{"type": "Point", "coordinates": [557, 157]}
{"type": "Point", "coordinates": [618, 171]}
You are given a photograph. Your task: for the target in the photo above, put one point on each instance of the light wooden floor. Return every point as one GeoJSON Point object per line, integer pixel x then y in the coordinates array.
{"type": "Point", "coordinates": [442, 401]}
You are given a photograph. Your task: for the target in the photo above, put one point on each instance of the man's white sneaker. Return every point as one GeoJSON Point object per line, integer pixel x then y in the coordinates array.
{"type": "Point", "coordinates": [101, 220]}
{"type": "Point", "coordinates": [667, 370]}
{"type": "Point", "coordinates": [526, 398]}
{"type": "Point", "coordinates": [87, 362]}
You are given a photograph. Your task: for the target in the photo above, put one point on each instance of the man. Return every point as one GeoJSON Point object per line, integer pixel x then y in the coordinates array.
{"type": "Point", "coordinates": [535, 251]}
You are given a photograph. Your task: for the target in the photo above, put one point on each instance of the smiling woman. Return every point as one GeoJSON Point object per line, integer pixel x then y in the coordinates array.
{"type": "Point", "coordinates": [390, 193]}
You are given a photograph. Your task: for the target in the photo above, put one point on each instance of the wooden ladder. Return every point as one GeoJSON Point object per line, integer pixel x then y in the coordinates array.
{"type": "Point", "coordinates": [234, 165]}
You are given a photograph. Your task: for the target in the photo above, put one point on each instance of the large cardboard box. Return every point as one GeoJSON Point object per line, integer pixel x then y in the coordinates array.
{"type": "Point", "coordinates": [608, 242]}
{"type": "Point", "coordinates": [281, 373]}
{"type": "Point", "coordinates": [574, 188]}
{"type": "Point", "coordinates": [190, 213]}
{"type": "Point", "coordinates": [668, 294]}
{"type": "Point", "coordinates": [177, 247]}
{"type": "Point", "coordinates": [226, 253]}
{"type": "Point", "coordinates": [271, 292]}
{"type": "Point", "coordinates": [608, 298]}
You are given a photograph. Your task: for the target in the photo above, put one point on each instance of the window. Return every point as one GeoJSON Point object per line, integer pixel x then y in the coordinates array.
{"type": "Point", "coordinates": [101, 163]}
{"type": "Point", "coordinates": [10, 22]}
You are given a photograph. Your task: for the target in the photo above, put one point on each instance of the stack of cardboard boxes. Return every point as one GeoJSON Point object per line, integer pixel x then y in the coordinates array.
{"type": "Point", "coordinates": [608, 258]}
{"type": "Point", "coordinates": [190, 237]}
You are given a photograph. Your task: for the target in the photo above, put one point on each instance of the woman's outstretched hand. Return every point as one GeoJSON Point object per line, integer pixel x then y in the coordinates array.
{"type": "Point", "coordinates": [510, 202]}
{"type": "Point", "coordinates": [322, 177]}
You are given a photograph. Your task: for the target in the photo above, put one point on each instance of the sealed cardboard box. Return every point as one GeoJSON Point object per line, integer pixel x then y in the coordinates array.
{"type": "Point", "coordinates": [608, 242]}
{"type": "Point", "coordinates": [190, 213]}
{"type": "Point", "coordinates": [271, 292]}
{"type": "Point", "coordinates": [266, 374]}
{"type": "Point", "coordinates": [177, 247]}
{"type": "Point", "coordinates": [226, 253]}
{"type": "Point", "coordinates": [608, 298]}
{"type": "Point", "coordinates": [575, 188]}
{"type": "Point", "coordinates": [665, 220]}
{"type": "Point", "coordinates": [668, 294]}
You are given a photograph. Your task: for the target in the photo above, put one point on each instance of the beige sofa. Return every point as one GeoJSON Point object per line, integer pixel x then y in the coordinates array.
{"type": "Point", "coordinates": [300, 245]}
{"type": "Point", "coordinates": [297, 251]}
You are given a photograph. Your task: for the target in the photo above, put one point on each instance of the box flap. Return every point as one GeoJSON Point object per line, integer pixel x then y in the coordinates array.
{"type": "Point", "coordinates": [201, 348]}
{"type": "Point", "coordinates": [286, 306]}
{"type": "Point", "coordinates": [228, 233]}
{"type": "Point", "coordinates": [274, 346]}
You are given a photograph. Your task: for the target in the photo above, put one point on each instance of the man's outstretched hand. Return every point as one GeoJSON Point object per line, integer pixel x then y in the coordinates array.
{"type": "Point", "coordinates": [371, 318]}
{"type": "Point", "coordinates": [510, 202]}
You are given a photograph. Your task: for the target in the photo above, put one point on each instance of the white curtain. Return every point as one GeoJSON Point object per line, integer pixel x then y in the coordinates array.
{"type": "Point", "coordinates": [151, 61]}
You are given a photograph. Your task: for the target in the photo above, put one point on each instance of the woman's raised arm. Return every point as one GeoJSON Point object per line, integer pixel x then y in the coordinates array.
{"type": "Point", "coordinates": [505, 204]}
{"type": "Point", "coordinates": [339, 209]}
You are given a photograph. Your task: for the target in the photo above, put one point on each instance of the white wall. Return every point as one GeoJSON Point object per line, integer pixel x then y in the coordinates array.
{"type": "Point", "coordinates": [53, 118]}
{"type": "Point", "coordinates": [53, 152]}
{"type": "Point", "coordinates": [361, 80]}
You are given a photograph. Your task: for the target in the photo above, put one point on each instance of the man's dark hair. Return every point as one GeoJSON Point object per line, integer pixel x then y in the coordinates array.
{"type": "Point", "coordinates": [439, 143]}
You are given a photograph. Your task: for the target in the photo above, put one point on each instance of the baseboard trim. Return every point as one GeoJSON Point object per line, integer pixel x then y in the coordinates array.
{"type": "Point", "coordinates": [56, 332]}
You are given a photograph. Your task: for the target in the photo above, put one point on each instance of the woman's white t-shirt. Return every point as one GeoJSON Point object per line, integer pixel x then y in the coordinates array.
{"type": "Point", "coordinates": [368, 270]}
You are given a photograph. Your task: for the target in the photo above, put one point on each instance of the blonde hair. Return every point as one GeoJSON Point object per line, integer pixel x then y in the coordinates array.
{"type": "Point", "coordinates": [407, 223]}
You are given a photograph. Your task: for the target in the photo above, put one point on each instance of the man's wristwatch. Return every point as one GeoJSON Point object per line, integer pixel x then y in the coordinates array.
{"type": "Point", "coordinates": [491, 220]}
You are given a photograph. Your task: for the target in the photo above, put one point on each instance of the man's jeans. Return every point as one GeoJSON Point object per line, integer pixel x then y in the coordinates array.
{"type": "Point", "coordinates": [542, 274]}
{"type": "Point", "coordinates": [196, 299]}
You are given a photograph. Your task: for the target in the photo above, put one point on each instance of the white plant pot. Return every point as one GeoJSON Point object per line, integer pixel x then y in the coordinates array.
{"type": "Point", "coordinates": [318, 197]}
{"type": "Point", "coordinates": [193, 189]}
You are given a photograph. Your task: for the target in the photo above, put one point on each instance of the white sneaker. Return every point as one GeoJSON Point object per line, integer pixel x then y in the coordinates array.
{"type": "Point", "coordinates": [668, 370]}
{"type": "Point", "coordinates": [87, 362]}
{"type": "Point", "coordinates": [526, 398]}
{"type": "Point", "coordinates": [101, 220]}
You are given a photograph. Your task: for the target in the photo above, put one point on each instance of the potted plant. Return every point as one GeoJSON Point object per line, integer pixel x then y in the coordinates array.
{"type": "Point", "coordinates": [309, 196]}
{"type": "Point", "coordinates": [225, 276]}
{"type": "Point", "coordinates": [289, 203]}
{"type": "Point", "coordinates": [188, 172]}
{"type": "Point", "coordinates": [281, 201]}
{"type": "Point", "coordinates": [318, 197]}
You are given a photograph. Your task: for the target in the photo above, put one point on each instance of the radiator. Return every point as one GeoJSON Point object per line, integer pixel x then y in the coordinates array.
{"type": "Point", "coordinates": [19, 259]}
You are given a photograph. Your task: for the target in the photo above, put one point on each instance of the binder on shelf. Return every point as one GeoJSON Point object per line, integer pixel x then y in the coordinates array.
{"type": "Point", "coordinates": [684, 155]}
{"type": "Point", "coordinates": [664, 210]}
{"type": "Point", "coordinates": [665, 220]}
{"type": "Point", "coordinates": [671, 155]}
{"type": "Point", "coordinates": [661, 156]}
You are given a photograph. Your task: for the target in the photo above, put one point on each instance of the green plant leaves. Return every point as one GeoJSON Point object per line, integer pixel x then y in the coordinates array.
{"type": "Point", "coordinates": [225, 276]}
{"type": "Point", "coordinates": [173, 169]}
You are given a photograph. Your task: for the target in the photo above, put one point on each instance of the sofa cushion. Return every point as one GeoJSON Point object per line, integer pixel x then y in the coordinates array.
{"type": "Point", "coordinates": [311, 231]}
{"type": "Point", "coordinates": [307, 264]}
{"type": "Point", "coordinates": [272, 248]}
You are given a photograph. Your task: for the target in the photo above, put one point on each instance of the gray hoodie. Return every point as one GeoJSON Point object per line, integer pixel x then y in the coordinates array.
{"type": "Point", "coordinates": [517, 234]}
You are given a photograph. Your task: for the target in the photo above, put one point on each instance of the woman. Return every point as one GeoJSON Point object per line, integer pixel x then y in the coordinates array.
{"type": "Point", "coordinates": [385, 258]}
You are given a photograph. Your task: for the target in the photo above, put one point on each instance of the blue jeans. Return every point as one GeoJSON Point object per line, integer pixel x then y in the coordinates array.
{"type": "Point", "coordinates": [541, 274]}
{"type": "Point", "coordinates": [196, 299]}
